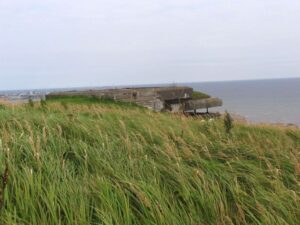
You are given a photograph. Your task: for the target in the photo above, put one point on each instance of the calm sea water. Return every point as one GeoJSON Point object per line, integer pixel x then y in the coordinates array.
{"type": "Point", "coordinates": [272, 101]}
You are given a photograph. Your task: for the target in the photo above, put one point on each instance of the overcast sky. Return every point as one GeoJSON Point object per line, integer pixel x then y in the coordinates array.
{"type": "Point", "coordinates": [63, 43]}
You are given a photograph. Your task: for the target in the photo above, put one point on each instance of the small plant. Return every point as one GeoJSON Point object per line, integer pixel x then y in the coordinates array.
{"type": "Point", "coordinates": [228, 122]}
{"type": "Point", "coordinates": [43, 103]}
{"type": "Point", "coordinates": [30, 103]}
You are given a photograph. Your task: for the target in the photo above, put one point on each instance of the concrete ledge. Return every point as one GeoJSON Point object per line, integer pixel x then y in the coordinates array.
{"type": "Point", "coordinates": [202, 104]}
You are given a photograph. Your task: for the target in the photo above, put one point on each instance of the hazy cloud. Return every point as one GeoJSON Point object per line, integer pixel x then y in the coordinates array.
{"type": "Point", "coordinates": [57, 43]}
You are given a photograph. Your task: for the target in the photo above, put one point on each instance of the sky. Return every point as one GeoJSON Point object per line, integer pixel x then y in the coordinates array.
{"type": "Point", "coordinates": [64, 43]}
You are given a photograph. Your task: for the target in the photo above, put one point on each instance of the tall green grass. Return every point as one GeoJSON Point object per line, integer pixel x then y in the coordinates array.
{"type": "Point", "coordinates": [95, 163]}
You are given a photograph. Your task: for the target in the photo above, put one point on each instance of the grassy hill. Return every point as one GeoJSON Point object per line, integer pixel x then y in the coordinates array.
{"type": "Point", "coordinates": [87, 161]}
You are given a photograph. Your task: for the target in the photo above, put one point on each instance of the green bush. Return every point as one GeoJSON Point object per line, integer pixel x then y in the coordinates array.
{"type": "Point", "coordinates": [228, 122]}
{"type": "Point", "coordinates": [30, 103]}
{"type": "Point", "coordinates": [43, 103]}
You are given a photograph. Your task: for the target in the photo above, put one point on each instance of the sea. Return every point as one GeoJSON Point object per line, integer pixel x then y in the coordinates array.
{"type": "Point", "coordinates": [258, 101]}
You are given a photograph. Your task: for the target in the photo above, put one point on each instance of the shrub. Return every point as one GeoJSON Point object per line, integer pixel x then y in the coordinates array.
{"type": "Point", "coordinates": [30, 103]}
{"type": "Point", "coordinates": [228, 123]}
{"type": "Point", "coordinates": [43, 103]}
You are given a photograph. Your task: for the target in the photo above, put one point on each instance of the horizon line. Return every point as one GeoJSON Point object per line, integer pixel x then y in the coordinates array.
{"type": "Point", "coordinates": [147, 84]}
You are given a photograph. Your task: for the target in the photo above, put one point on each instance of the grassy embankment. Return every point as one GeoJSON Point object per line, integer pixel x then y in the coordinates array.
{"type": "Point", "coordinates": [200, 95]}
{"type": "Point", "coordinates": [97, 162]}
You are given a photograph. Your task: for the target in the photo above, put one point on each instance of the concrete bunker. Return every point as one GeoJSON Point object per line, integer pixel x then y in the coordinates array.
{"type": "Point", "coordinates": [174, 99]}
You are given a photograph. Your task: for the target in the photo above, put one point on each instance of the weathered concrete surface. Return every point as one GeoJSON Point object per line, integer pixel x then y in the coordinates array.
{"type": "Point", "coordinates": [171, 93]}
{"type": "Point", "coordinates": [152, 97]}
{"type": "Point", "coordinates": [202, 104]}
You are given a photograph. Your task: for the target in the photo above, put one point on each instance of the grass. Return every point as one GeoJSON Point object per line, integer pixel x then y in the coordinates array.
{"type": "Point", "coordinates": [89, 162]}
{"type": "Point", "coordinates": [199, 95]}
{"type": "Point", "coordinates": [91, 100]}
